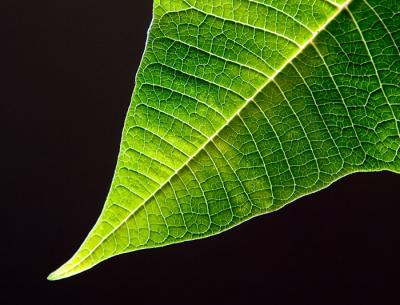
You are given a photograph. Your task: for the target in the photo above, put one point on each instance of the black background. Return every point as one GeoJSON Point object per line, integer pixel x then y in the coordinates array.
{"type": "Point", "coordinates": [67, 73]}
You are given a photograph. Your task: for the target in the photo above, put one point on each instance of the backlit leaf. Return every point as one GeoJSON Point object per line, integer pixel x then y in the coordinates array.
{"type": "Point", "coordinates": [242, 106]}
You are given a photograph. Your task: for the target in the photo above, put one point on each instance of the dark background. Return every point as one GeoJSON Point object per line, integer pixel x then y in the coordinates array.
{"type": "Point", "coordinates": [67, 73]}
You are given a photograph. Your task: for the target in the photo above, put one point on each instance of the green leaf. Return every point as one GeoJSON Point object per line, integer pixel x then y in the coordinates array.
{"type": "Point", "coordinates": [242, 106]}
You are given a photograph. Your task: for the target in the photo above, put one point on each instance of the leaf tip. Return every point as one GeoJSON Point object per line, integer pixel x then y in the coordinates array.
{"type": "Point", "coordinates": [64, 271]}
{"type": "Point", "coordinates": [60, 274]}
{"type": "Point", "coordinates": [55, 275]}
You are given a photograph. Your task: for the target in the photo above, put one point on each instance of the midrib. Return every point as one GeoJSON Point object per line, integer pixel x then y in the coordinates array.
{"type": "Point", "coordinates": [339, 9]}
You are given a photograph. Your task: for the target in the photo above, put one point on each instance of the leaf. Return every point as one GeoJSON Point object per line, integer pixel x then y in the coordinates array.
{"type": "Point", "coordinates": [242, 106]}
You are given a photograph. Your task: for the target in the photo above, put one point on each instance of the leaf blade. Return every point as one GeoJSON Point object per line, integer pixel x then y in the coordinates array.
{"type": "Point", "coordinates": [279, 185]}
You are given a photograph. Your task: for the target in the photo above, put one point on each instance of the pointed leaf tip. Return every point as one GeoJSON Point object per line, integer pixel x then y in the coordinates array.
{"type": "Point", "coordinates": [58, 274]}
{"type": "Point", "coordinates": [53, 276]}
{"type": "Point", "coordinates": [75, 265]}
{"type": "Point", "coordinates": [64, 271]}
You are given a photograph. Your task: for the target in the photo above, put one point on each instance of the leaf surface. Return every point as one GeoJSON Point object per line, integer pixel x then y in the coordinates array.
{"type": "Point", "coordinates": [243, 106]}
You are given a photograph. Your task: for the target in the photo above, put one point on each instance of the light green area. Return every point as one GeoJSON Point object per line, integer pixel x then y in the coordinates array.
{"type": "Point", "coordinates": [240, 108]}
